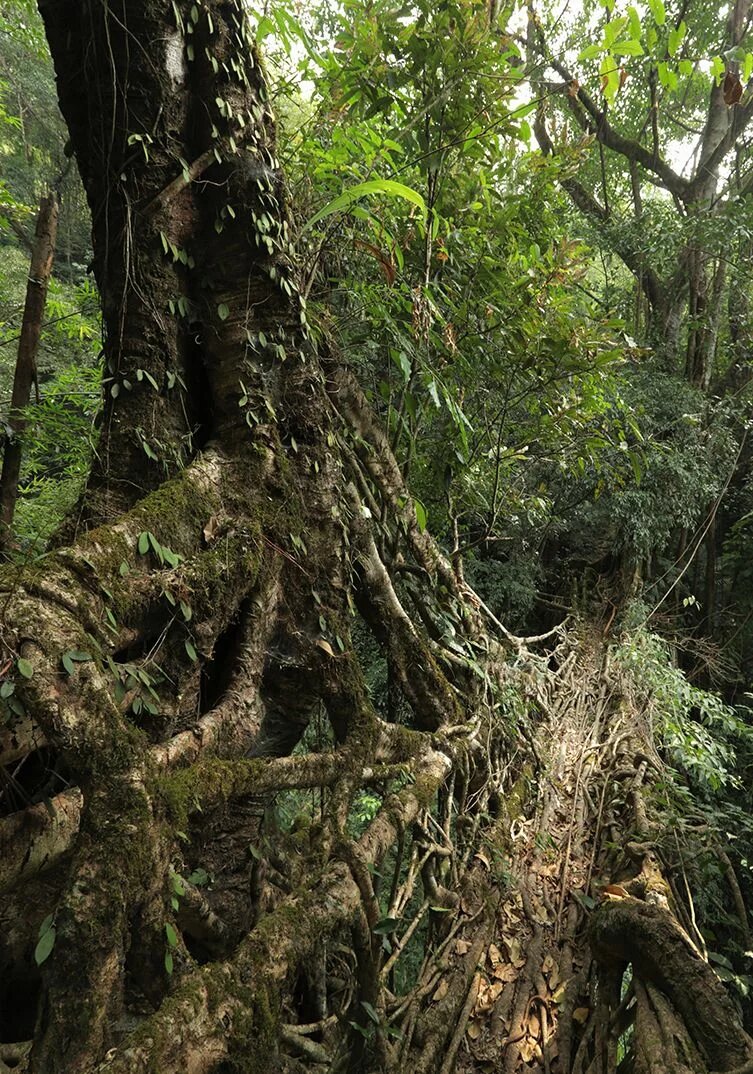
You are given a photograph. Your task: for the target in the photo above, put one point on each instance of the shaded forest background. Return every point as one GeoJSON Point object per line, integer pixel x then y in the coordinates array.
{"type": "Point", "coordinates": [528, 234]}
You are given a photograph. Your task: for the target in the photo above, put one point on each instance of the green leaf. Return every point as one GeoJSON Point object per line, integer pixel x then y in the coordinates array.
{"type": "Point", "coordinates": [386, 925]}
{"type": "Point", "coordinates": [636, 463]}
{"type": "Point", "coordinates": [68, 663]}
{"type": "Point", "coordinates": [370, 1011]}
{"type": "Point", "coordinates": [667, 76]}
{"type": "Point", "coordinates": [390, 187]}
{"type": "Point", "coordinates": [172, 936]}
{"type": "Point", "coordinates": [143, 545]}
{"type": "Point", "coordinates": [170, 557]}
{"type": "Point", "coordinates": [628, 48]}
{"type": "Point", "coordinates": [658, 11]}
{"type": "Point", "coordinates": [611, 76]}
{"type": "Point", "coordinates": [123, 569]}
{"type": "Point", "coordinates": [613, 30]}
{"type": "Point", "coordinates": [199, 877]}
{"type": "Point", "coordinates": [420, 514]}
{"type": "Point", "coordinates": [7, 688]}
{"type": "Point", "coordinates": [156, 546]}
{"type": "Point", "coordinates": [402, 361]}
{"type": "Point", "coordinates": [169, 963]}
{"type": "Point", "coordinates": [44, 947]}
{"type": "Point", "coordinates": [676, 38]}
{"type": "Point", "coordinates": [186, 609]}
{"type": "Point", "coordinates": [25, 667]}
{"type": "Point", "coordinates": [192, 654]}
{"type": "Point", "coordinates": [747, 70]}
{"type": "Point", "coordinates": [634, 21]}
{"type": "Point", "coordinates": [590, 52]}
{"type": "Point", "coordinates": [223, 311]}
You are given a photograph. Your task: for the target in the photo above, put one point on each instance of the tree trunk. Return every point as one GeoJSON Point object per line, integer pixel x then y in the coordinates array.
{"type": "Point", "coordinates": [172, 657]}
{"type": "Point", "coordinates": [42, 255]}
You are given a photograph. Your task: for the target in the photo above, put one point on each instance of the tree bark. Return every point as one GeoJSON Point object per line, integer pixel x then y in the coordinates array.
{"type": "Point", "coordinates": [42, 256]}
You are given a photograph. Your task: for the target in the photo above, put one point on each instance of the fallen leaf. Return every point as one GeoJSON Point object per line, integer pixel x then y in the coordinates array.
{"type": "Point", "coordinates": [325, 646]}
{"type": "Point", "coordinates": [488, 996]}
{"type": "Point", "coordinates": [494, 956]}
{"type": "Point", "coordinates": [615, 891]}
{"type": "Point", "coordinates": [211, 528]}
{"type": "Point", "coordinates": [513, 949]}
{"type": "Point", "coordinates": [573, 88]}
{"type": "Point", "coordinates": [442, 990]}
{"type": "Point", "coordinates": [528, 1049]}
{"type": "Point", "coordinates": [580, 1015]}
{"type": "Point", "coordinates": [482, 858]}
{"type": "Point", "coordinates": [474, 1030]}
{"type": "Point", "coordinates": [483, 1002]}
{"type": "Point", "coordinates": [504, 972]}
{"type": "Point", "coordinates": [462, 947]}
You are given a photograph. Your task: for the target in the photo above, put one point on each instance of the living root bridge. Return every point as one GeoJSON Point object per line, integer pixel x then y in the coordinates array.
{"type": "Point", "coordinates": [504, 961]}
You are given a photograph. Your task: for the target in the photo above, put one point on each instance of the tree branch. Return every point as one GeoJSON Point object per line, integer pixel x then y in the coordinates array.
{"type": "Point", "coordinates": [595, 122]}
{"type": "Point", "coordinates": [591, 207]}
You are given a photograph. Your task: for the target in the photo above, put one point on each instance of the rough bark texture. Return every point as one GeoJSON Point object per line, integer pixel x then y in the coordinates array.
{"type": "Point", "coordinates": [171, 658]}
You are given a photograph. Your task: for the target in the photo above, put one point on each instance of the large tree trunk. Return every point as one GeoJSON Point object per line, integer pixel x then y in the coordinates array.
{"type": "Point", "coordinates": [168, 662]}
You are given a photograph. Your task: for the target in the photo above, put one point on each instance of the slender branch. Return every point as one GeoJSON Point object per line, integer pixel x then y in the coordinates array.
{"type": "Point", "coordinates": [593, 119]}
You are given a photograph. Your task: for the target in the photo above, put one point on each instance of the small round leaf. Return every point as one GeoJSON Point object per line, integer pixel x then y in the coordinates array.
{"type": "Point", "coordinates": [25, 668]}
